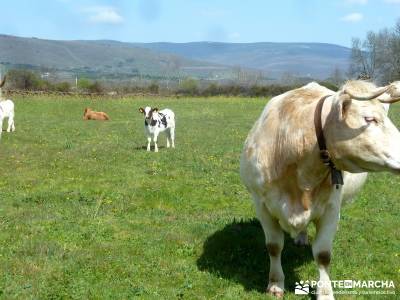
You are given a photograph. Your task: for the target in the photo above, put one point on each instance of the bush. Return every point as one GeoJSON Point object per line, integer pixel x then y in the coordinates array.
{"type": "Point", "coordinates": [212, 90]}
{"type": "Point", "coordinates": [24, 80]}
{"type": "Point", "coordinates": [188, 87]}
{"type": "Point", "coordinates": [89, 86]}
{"type": "Point", "coordinates": [62, 87]}
{"type": "Point", "coordinates": [96, 87]}
{"type": "Point", "coordinates": [153, 88]}
{"type": "Point", "coordinates": [84, 84]}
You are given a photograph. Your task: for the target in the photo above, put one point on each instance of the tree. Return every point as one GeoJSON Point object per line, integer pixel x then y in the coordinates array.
{"type": "Point", "coordinates": [23, 80]}
{"type": "Point", "coordinates": [337, 77]}
{"type": "Point", "coordinates": [378, 56]}
{"type": "Point", "coordinates": [394, 48]}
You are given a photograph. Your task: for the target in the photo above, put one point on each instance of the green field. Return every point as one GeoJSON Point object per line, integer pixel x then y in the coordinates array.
{"type": "Point", "coordinates": [87, 213]}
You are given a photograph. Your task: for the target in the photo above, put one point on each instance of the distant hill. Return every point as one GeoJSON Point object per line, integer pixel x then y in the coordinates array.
{"type": "Point", "coordinates": [208, 60]}
{"type": "Point", "coordinates": [316, 60]}
{"type": "Point", "coordinates": [99, 58]}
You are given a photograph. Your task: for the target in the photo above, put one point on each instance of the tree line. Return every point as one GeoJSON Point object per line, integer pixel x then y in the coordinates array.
{"type": "Point", "coordinates": [377, 56]}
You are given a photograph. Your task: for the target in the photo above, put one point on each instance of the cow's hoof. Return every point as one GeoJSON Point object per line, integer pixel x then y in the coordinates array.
{"type": "Point", "coordinates": [275, 290]}
{"type": "Point", "coordinates": [301, 239]}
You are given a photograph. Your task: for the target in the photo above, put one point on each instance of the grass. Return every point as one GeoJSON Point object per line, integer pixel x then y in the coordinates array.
{"type": "Point", "coordinates": [87, 213]}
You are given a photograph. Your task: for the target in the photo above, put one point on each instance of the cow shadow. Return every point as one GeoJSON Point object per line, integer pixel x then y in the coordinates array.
{"type": "Point", "coordinates": [238, 253]}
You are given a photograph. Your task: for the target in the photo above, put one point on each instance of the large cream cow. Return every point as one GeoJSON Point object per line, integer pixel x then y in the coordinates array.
{"type": "Point", "coordinates": [296, 178]}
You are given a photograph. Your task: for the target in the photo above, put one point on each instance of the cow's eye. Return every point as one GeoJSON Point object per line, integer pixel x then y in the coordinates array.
{"type": "Point", "coordinates": [370, 120]}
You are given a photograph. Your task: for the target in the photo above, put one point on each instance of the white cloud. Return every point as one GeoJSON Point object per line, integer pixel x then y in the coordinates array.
{"type": "Point", "coordinates": [104, 14]}
{"type": "Point", "coordinates": [362, 2]}
{"type": "Point", "coordinates": [353, 18]}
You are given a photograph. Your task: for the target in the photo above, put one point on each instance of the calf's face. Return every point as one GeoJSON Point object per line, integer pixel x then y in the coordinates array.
{"type": "Point", "coordinates": [361, 136]}
{"type": "Point", "coordinates": [148, 112]}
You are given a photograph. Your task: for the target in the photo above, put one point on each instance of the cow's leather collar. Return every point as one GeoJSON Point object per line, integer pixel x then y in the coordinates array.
{"type": "Point", "coordinates": [336, 175]}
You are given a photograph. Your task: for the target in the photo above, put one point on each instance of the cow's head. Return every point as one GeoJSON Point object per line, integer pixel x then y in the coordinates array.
{"type": "Point", "coordinates": [148, 112]}
{"type": "Point", "coordinates": [359, 133]}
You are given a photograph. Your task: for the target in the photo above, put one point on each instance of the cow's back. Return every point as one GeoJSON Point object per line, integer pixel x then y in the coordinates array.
{"type": "Point", "coordinates": [282, 133]}
{"type": "Point", "coordinates": [169, 115]}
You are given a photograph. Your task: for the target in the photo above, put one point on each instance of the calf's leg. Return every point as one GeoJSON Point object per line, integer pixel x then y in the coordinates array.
{"type": "Point", "coordinates": [155, 142]}
{"type": "Point", "coordinates": [274, 238]}
{"type": "Point", "coordinates": [168, 134]}
{"type": "Point", "coordinates": [10, 124]}
{"type": "Point", "coordinates": [148, 143]}
{"type": "Point", "coordinates": [172, 136]}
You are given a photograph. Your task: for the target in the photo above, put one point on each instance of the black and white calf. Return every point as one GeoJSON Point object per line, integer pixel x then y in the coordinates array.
{"type": "Point", "coordinates": [156, 121]}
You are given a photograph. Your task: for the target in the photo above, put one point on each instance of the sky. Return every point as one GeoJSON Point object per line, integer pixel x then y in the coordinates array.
{"type": "Point", "coordinates": [326, 21]}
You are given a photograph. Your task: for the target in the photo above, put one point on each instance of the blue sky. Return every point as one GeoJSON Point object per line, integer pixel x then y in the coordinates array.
{"type": "Point", "coordinates": [330, 21]}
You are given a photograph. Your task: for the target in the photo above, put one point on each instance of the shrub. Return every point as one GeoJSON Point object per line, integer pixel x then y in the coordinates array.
{"type": "Point", "coordinates": [62, 87]}
{"type": "Point", "coordinates": [188, 87]}
{"type": "Point", "coordinates": [24, 80]}
{"type": "Point", "coordinates": [153, 88]}
{"type": "Point", "coordinates": [89, 86]}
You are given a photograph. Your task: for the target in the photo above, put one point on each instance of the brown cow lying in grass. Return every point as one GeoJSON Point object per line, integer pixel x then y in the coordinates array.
{"type": "Point", "coordinates": [95, 115]}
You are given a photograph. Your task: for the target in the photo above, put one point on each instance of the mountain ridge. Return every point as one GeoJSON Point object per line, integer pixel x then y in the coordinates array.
{"type": "Point", "coordinates": [208, 60]}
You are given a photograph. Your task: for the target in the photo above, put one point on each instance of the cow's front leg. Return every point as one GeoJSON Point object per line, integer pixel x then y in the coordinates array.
{"type": "Point", "coordinates": [155, 141]}
{"type": "Point", "coordinates": [148, 143]}
{"type": "Point", "coordinates": [274, 239]}
{"type": "Point", "coordinates": [322, 246]}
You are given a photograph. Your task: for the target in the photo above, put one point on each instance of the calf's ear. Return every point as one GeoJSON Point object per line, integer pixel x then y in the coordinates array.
{"type": "Point", "coordinates": [141, 110]}
{"type": "Point", "coordinates": [155, 109]}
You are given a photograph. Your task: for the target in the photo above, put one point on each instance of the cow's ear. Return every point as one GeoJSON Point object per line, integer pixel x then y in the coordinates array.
{"type": "Point", "coordinates": [155, 109]}
{"type": "Point", "coordinates": [341, 105]}
{"type": "Point", "coordinates": [345, 101]}
{"type": "Point", "coordinates": [141, 110]}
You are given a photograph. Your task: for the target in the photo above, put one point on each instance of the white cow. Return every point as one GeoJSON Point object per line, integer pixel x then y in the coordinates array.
{"type": "Point", "coordinates": [6, 110]}
{"type": "Point", "coordinates": [282, 166]}
{"type": "Point", "coordinates": [156, 121]}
